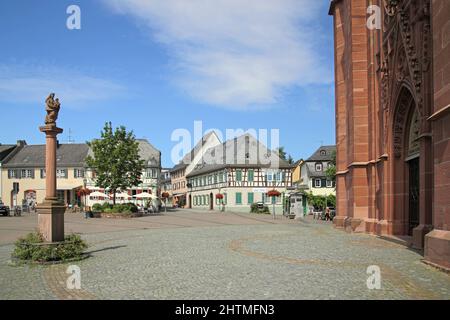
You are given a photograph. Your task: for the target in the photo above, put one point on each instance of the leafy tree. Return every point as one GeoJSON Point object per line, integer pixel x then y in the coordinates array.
{"type": "Point", "coordinates": [284, 156]}
{"type": "Point", "coordinates": [116, 160]}
{"type": "Point", "coordinates": [331, 170]}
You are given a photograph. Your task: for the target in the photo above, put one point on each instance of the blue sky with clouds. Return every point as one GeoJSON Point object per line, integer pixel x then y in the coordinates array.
{"type": "Point", "coordinates": [156, 66]}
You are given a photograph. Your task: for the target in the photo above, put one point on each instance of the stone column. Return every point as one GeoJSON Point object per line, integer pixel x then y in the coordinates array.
{"type": "Point", "coordinates": [51, 212]}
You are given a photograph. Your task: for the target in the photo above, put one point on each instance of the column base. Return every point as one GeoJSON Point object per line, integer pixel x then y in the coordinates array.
{"type": "Point", "coordinates": [339, 221]}
{"type": "Point", "coordinates": [419, 235]}
{"type": "Point", "coordinates": [349, 224]}
{"type": "Point", "coordinates": [51, 220]}
{"type": "Point", "coordinates": [437, 248]}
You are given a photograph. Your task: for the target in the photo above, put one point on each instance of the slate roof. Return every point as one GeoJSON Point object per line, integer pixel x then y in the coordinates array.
{"type": "Point", "coordinates": [72, 155]}
{"type": "Point", "coordinates": [318, 156]}
{"type": "Point", "coordinates": [189, 157]}
{"type": "Point", "coordinates": [242, 152]}
{"type": "Point", "coordinates": [31, 156]}
{"type": "Point", "coordinates": [149, 153]}
{"type": "Point", "coordinates": [311, 169]}
{"type": "Point", "coordinates": [5, 150]}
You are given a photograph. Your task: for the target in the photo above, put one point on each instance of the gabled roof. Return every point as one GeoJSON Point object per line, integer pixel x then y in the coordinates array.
{"type": "Point", "coordinates": [324, 153]}
{"type": "Point", "coordinates": [189, 157]}
{"type": "Point", "coordinates": [149, 153]}
{"type": "Point", "coordinates": [241, 152]}
{"type": "Point", "coordinates": [311, 170]}
{"type": "Point", "coordinates": [5, 150]}
{"type": "Point", "coordinates": [31, 156]}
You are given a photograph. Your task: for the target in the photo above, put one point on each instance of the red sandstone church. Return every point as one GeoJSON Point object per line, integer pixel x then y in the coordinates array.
{"type": "Point", "coordinates": [393, 120]}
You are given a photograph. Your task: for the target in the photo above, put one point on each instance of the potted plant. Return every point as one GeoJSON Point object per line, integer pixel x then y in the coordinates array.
{"type": "Point", "coordinates": [84, 192]}
{"type": "Point", "coordinates": [165, 196]}
{"type": "Point", "coordinates": [220, 197]}
{"type": "Point", "coordinates": [273, 194]}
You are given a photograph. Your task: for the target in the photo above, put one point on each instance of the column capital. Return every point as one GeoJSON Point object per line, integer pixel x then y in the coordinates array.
{"type": "Point", "coordinates": [51, 129]}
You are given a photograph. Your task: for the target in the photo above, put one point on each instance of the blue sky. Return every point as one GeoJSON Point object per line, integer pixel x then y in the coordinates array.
{"type": "Point", "coordinates": [156, 66]}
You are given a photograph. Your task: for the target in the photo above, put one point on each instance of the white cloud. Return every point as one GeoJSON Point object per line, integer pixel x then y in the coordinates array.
{"type": "Point", "coordinates": [236, 53]}
{"type": "Point", "coordinates": [32, 84]}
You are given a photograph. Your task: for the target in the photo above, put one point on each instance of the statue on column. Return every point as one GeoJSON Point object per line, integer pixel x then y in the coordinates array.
{"type": "Point", "coordinates": [52, 107]}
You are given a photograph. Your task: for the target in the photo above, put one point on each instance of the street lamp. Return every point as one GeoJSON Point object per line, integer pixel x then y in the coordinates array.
{"type": "Point", "coordinates": [189, 185]}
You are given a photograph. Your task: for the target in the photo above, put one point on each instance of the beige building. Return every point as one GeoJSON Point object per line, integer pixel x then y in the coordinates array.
{"type": "Point", "coordinates": [240, 175]}
{"type": "Point", "coordinates": [313, 176]}
{"type": "Point", "coordinates": [26, 166]}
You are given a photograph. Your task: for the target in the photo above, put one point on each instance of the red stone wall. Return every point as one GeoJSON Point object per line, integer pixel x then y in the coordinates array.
{"type": "Point", "coordinates": [441, 118]}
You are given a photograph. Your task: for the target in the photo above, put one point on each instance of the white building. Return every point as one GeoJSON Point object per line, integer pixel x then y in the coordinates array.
{"type": "Point", "coordinates": [243, 170]}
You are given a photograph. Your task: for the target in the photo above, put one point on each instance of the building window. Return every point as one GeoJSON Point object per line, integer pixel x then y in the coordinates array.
{"type": "Point", "coordinates": [317, 183]}
{"type": "Point", "coordinates": [78, 173]}
{"type": "Point", "coordinates": [61, 173]}
{"type": "Point", "coordinates": [251, 175]}
{"type": "Point", "coordinates": [12, 174]}
{"type": "Point", "coordinates": [329, 184]}
{"type": "Point", "coordinates": [278, 176]}
{"type": "Point", "coordinates": [43, 174]}
{"type": "Point", "coordinates": [250, 198]}
{"type": "Point", "coordinates": [318, 167]}
{"type": "Point", "coordinates": [238, 198]}
{"type": "Point", "coordinates": [323, 153]}
{"type": "Point", "coordinates": [209, 180]}
{"type": "Point", "coordinates": [220, 178]}
{"type": "Point", "coordinates": [27, 174]}
{"type": "Point", "coordinates": [215, 179]}
{"type": "Point", "coordinates": [238, 175]}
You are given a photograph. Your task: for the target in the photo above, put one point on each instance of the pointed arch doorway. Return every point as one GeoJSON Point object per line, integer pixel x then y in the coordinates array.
{"type": "Point", "coordinates": [406, 165]}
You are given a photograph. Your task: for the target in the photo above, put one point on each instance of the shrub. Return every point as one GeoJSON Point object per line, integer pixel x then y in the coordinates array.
{"type": "Point", "coordinates": [32, 248]}
{"type": "Point", "coordinates": [254, 208]}
{"type": "Point", "coordinates": [97, 207]}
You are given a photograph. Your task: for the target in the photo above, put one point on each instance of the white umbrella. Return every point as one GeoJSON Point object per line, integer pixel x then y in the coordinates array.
{"type": "Point", "coordinates": [123, 196]}
{"type": "Point", "coordinates": [144, 195]}
{"type": "Point", "coordinates": [99, 194]}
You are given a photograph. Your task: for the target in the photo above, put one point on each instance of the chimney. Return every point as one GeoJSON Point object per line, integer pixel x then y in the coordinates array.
{"type": "Point", "coordinates": [21, 143]}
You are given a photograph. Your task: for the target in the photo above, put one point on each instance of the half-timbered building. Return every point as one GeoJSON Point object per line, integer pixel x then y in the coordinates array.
{"type": "Point", "coordinates": [242, 171]}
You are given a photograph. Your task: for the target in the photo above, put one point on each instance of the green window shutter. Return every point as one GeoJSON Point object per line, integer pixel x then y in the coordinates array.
{"type": "Point", "coordinates": [250, 198]}
{"type": "Point", "coordinates": [251, 175]}
{"type": "Point", "coordinates": [238, 198]}
{"type": "Point", "coordinates": [238, 175]}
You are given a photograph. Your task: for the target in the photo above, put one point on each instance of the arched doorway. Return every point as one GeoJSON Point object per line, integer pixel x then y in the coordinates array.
{"type": "Point", "coordinates": [406, 165]}
{"type": "Point", "coordinates": [413, 161]}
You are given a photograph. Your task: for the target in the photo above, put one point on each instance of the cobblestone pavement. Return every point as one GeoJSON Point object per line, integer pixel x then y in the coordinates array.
{"type": "Point", "coordinates": [202, 255]}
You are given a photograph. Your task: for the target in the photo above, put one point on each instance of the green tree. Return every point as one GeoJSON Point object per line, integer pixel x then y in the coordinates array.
{"type": "Point", "coordinates": [116, 160]}
{"type": "Point", "coordinates": [284, 156]}
{"type": "Point", "coordinates": [331, 170]}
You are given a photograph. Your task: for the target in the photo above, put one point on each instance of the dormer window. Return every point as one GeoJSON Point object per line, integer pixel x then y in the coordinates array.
{"type": "Point", "coordinates": [318, 167]}
{"type": "Point", "coordinates": [323, 153]}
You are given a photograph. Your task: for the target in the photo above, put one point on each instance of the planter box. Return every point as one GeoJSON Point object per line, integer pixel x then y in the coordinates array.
{"type": "Point", "coordinates": [116, 215]}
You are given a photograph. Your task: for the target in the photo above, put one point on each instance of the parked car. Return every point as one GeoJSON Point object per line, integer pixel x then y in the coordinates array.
{"type": "Point", "coordinates": [4, 210]}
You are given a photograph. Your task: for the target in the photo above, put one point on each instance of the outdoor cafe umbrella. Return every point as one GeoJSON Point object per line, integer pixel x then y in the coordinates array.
{"type": "Point", "coordinates": [99, 194]}
{"type": "Point", "coordinates": [143, 195]}
{"type": "Point", "coordinates": [123, 196]}
{"type": "Point", "coordinates": [102, 196]}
